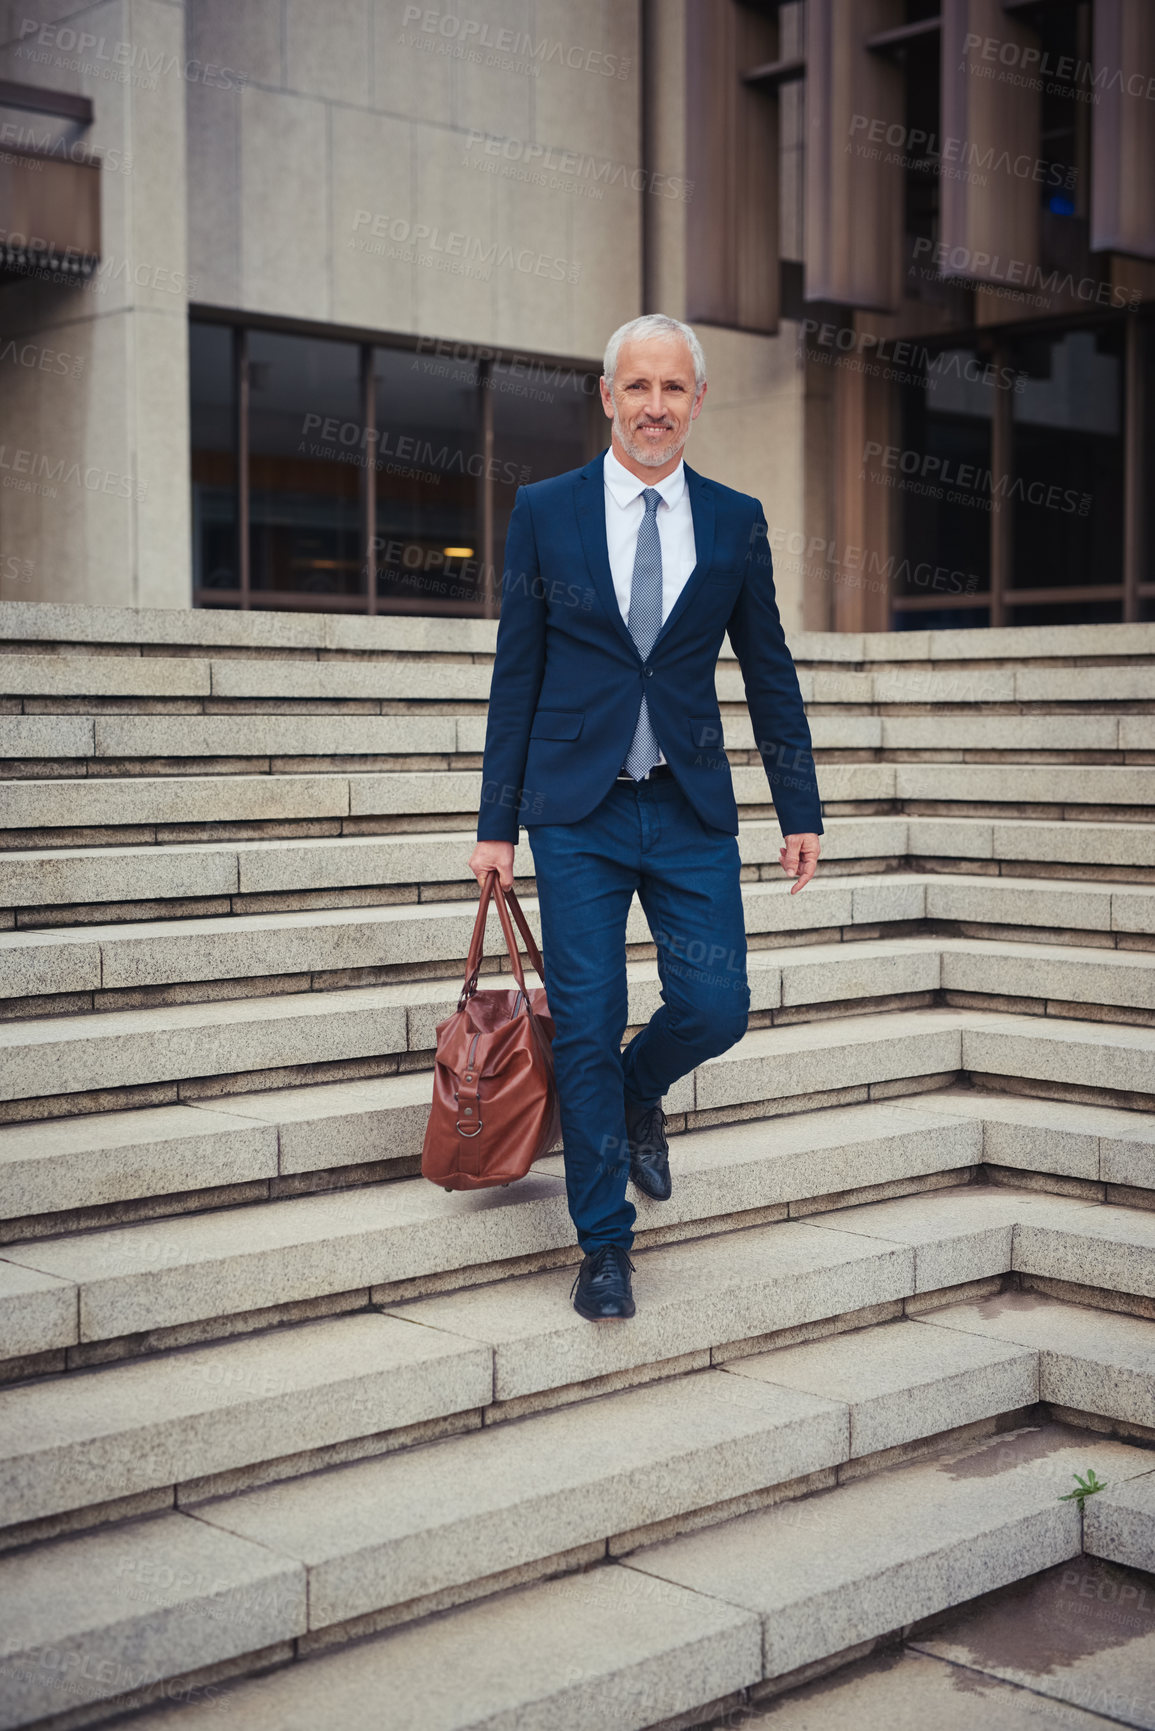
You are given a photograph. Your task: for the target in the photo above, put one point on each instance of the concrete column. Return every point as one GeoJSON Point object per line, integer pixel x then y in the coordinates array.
{"type": "Point", "coordinates": [94, 493]}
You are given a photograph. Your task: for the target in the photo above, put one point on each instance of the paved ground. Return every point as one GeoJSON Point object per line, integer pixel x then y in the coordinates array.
{"type": "Point", "coordinates": [1072, 1649]}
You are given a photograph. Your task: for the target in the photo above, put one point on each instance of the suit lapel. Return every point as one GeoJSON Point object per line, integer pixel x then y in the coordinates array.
{"type": "Point", "coordinates": [702, 511]}
{"type": "Point", "coordinates": [591, 512]}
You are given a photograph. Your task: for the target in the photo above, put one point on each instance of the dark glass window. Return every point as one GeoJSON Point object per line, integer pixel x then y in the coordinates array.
{"type": "Point", "coordinates": [1066, 485]}
{"type": "Point", "coordinates": [350, 460]}
{"type": "Point", "coordinates": [944, 504]}
{"type": "Point", "coordinates": [923, 121]}
{"type": "Point", "coordinates": [212, 432]}
{"type": "Point", "coordinates": [307, 449]}
{"type": "Point", "coordinates": [427, 536]}
{"type": "Point", "coordinates": [541, 412]}
{"type": "Point", "coordinates": [1145, 433]}
{"type": "Point", "coordinates": [1065, 98]}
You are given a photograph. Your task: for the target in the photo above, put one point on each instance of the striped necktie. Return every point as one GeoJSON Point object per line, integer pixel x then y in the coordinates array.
{"type": "Point", "coordinates": [644, 622]}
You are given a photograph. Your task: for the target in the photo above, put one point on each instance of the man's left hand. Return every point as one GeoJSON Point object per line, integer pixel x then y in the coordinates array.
{"type": "Point", "coordinates": [799, 859]}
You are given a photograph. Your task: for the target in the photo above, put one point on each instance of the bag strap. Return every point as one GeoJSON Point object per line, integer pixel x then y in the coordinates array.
{"type": "Point", "coordinates": [506, 901]}
{"type": "Point", "coordinates": [531, 948]}
{"type": "Point", "coordinates": [510, 941]}
{"type": "Point", "coordinates": [477, 941]}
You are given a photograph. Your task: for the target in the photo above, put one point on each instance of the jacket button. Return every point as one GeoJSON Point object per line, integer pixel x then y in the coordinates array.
{"type": "Point", "coordinates": [648, 671]}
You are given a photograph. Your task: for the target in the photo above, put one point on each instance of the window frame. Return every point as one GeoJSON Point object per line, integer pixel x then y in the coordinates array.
{"type": "Point", "coordinates": [243, 597]}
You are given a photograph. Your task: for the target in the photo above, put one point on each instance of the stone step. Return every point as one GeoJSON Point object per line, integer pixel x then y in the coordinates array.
{"type": "Point", "coordinates": [673, 1627]}
{"type": "Point", "coordinates": [415, 678]}
{"type": "Point", "coordinates": [101, 1159]}
{"type": "Point", "coordinates": [946, 735]}
{"type": "Point", "coordinates": [175, 800]}
{"type": "Point", "coordinates": [264, 632]}
{"type": "Point", "coordinates": [1028, 1133]}
{"type": "Point", "coordinates": [905, 1687]}
{"type": "Point", "coordinates": [62, 876]}
{"type": "Point", "coordinates": [789, 1062]}
{"type": "Point", "coordinates": [761, 1280]}
{"type": "Point", "coordinates": [171, 1045]}
{"type": "Point", "coordinates": [275, 737]}
{"type": "Point", "coordinates": [391, 1531]}
{"type": "Point", "coordinates": [135, 954]}
{"type": "Point", "coordinates": [1074, 1642]}
{"type": "Point", "coordinates": [1103, 686]}
{"type": "Point", "coordinates": [147, 1425]}
{"type": "Point", "coordinates": [739, 1170]}
{"type": "Point", "coordinates": [60, 1055]}
{"type": "Point", "coordinates": [600, 1648]}
{"type": "Point", "coordinates": [131, 955]}
{"type": "Point", "coordinates": [183, 676]}
{"type": "Point", "coordinates": [194, 1268]}
{"type": "Point", "coordinates": [397, 1530]}
{"type": "Point", "coordinates": [862, 1560]}
{"type": "Point", "coordinates": [281, 739]}
{"type": "Point", "coordinates": [90, 1619]}
{"type": "Point", "coordinates": [1078, 844]}
{"type": "Point", "coordinates": [1119, 1523]}
{"type": "Point", "coordinates": [1089, 1360]}
{"type": "Point", "coordinates": [179, 1047]}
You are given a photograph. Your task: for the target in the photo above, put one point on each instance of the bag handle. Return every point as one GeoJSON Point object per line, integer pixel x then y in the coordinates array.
{"type": "Point", "coordinates": [477, 941]}
{"type": "Point", "coordinates": [532, 950]}
{"type": "Point", "coordinates": [506, 900]}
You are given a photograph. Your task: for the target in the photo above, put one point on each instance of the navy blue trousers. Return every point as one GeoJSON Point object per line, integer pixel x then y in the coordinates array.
{"type": "Point", "coordinates": [644, 836]}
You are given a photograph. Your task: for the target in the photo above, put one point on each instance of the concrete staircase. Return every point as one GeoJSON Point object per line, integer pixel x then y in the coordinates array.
{"type": "Point", "coordinates": [286, 1431]}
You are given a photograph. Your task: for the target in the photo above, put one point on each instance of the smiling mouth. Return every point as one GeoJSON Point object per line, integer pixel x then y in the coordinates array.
{"type": "Point", "coordinates": [654, 427]}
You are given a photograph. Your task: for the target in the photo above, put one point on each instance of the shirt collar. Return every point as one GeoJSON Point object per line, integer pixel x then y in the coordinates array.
{"type": "Point", "coordinates": [625, 488]}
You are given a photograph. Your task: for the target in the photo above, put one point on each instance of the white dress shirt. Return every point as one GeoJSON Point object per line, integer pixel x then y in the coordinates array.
{"type": "Point", "coordinates": [624, 513]}
{"type": "Point", "coordinates": [625, 510]}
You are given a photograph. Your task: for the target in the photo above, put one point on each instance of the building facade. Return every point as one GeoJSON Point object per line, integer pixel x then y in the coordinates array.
{"type": "Point", "coordinates": [295, 295]}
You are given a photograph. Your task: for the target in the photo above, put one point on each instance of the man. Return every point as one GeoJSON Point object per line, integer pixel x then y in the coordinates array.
{"type": "Point", "coordinates": [604, 737]}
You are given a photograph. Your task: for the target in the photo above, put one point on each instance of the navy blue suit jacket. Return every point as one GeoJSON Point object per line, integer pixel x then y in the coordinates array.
{"type": "Point", "coordinates": [568, 679]}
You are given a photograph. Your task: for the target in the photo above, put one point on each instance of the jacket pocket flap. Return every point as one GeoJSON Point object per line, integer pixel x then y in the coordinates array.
{"type": "Point", "coordinates": [557, 724]}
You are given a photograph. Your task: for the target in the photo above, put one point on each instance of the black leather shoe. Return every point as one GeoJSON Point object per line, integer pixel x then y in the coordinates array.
{"type": "Point", "coordinates": [649, 1151]}
{"type": "Point", "coordinates": [602, 1288]}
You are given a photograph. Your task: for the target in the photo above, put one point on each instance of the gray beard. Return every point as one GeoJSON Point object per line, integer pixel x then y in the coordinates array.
{"type": "Point", "coordinates": [645, 453]}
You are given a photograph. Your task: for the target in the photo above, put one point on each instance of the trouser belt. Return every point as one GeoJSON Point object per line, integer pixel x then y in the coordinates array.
{"type": "Point", "coordinates": [660, 772]}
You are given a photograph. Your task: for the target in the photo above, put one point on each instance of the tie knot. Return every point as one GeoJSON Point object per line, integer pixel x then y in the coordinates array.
{"type": "Point", "coordinates": [653, 499]}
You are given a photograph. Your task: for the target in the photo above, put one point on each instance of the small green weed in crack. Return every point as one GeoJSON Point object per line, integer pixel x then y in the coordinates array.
{"type": "Point", "coordinates": [1085, 1488]}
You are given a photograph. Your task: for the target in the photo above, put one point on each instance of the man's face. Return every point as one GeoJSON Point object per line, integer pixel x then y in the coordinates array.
{"type": "Point", "coordinates": [653, 399]}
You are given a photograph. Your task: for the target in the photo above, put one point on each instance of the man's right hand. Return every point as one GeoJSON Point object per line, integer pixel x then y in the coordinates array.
{"type": "Point", "coordinates": [488, 854]}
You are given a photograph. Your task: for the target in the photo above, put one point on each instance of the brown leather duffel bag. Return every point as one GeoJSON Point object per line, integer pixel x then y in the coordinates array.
{"type": "Point", "coordinates": [495, 1105]}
